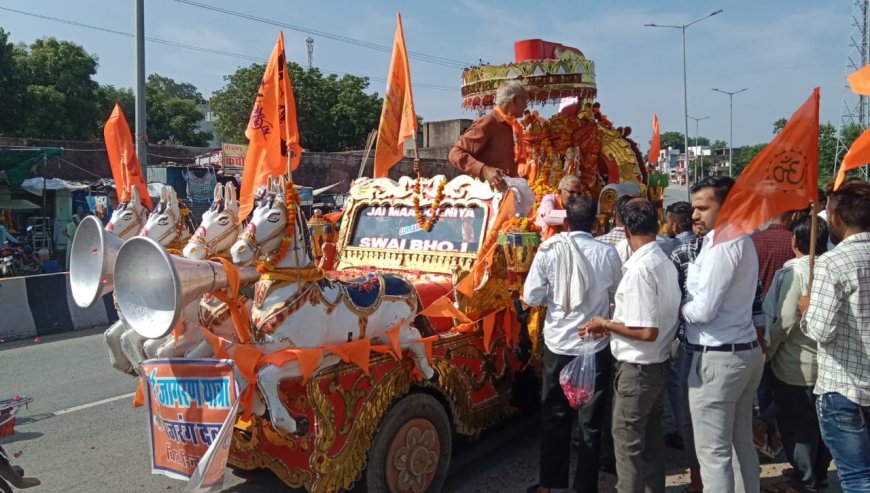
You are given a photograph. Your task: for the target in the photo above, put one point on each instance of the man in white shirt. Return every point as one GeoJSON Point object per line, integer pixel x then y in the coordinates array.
{"type": "Point", "coordinates": [575, 277]}
{"type": "Point", "coordinates": [642, 330]}
{"type": "Point", "coordinates": [727, 363]}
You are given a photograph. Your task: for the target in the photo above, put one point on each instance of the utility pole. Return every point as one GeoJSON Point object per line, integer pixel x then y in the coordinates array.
{"type": "Point", "coordinates": [731, 125]}
{"type": "Point", "coordinates": [141, 128]}
{"type": "Point", "coordinates": [855, 110]}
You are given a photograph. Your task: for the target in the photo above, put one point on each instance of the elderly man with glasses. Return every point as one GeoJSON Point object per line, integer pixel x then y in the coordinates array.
{"type": "Point", "coordinates": [551, 212]}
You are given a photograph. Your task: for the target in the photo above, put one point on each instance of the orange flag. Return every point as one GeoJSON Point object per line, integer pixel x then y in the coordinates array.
{"type": "Point", "coordinates": [122, 158]}
{"type": "Point", "coordinates": [273, 132]}
{"type": "Point", "coordinates": [858, 155]}
{"type": "Point", "coordinates": [859, 81]}
{"type": "Point", "coordinates": [444, 307]}
{"type": "Point", "coordinates": [506, 212]}
{"type": "Point", "coordinates": [782, 177]}
{"type": "Point", "coordinates": [398, 119]}
{"type": "Point", "coordinates": [656, 144]}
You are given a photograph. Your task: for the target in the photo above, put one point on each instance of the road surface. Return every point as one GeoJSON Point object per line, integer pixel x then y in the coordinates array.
{"type": "Point", "coordinates": [81, 434]}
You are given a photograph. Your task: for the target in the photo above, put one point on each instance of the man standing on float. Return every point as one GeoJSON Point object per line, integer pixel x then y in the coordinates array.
{"type": "Point", "coordinates": [487, 149]}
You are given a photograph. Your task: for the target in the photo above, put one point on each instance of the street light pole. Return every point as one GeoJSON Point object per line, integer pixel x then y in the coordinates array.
{"type": "Point", "coordinates": [731, 124]}
{"type": "Point", "coordinates": [697, 136]}
{"type": "Point", "coordinates": [683, 28]}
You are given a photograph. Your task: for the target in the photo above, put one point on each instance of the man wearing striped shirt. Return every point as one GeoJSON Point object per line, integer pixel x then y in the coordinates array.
{"type": "Point", "coordinates": [838, 317]}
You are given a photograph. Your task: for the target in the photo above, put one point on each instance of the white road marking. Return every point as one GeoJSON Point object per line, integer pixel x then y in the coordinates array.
{"type": "Point", "coordinates": [93, 404]}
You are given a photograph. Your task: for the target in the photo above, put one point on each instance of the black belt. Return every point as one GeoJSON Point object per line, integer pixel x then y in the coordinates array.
{"type": "Point", "coordinates": [730, 348]}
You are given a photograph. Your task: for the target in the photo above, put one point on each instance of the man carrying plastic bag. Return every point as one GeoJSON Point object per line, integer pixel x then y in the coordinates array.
{"type": "Point", "coordinates": [642, 330]}
{"type": "Point", "coordinates": [576, 278]}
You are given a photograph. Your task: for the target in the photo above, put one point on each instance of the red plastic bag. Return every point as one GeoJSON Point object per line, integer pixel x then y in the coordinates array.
{"type": "Point", "coordinates": [577, 378]}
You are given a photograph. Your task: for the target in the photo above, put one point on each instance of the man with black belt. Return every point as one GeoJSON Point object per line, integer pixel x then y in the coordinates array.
{"type": "Point", "coordinates": [575, 277]}
{"type": "Point", "coordinates": [727, 361]}
{"type": "Point", "coordinates": [642, 330]}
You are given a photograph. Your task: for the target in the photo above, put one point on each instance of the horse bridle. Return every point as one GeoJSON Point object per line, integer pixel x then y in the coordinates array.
{"type": "Point", "coordinates": [248, 235]}
{"type": "Point", "coordinates": [179, 226]}
{"type": "Point", "coordinates": [198, 239]}
{"type": "Point", "coordinates": [134, 224]}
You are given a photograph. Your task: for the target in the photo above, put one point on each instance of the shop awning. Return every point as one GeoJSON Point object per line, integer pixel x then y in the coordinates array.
{"type": "Point", "coordinates": [37, 185]}
{"type": "Point", "coordinates": [17, 161]}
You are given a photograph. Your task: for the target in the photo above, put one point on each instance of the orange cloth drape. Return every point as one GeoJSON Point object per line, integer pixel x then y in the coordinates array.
{"type": "Point", "coordinates": [122, 158]}
{"type": "Point", "coordinates": [273, 130]}
{"type": "Point", "coordinates": [398, 119]}
{"type": "Point", "coordinates": [656, 143]}
{"type": "Point", "coordinates": [859, 81]}
{"type": "Point", "coordinates": [782, 177]}
{"type": "Point", "coordinates": [858, 155]}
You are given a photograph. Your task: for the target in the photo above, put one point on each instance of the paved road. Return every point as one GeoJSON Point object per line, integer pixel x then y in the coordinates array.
{"type": "Point", "coordinates": [82, 435]}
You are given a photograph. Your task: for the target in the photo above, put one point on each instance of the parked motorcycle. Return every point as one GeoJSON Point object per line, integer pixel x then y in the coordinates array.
{"type": "Point", "coordinates": [18, 259]}
{"type": "Point", "coordinates": [10, 474]}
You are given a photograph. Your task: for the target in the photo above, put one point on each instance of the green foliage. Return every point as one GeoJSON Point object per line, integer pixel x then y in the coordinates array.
{"type": "Point", "coordinates": [779, 125]}
{"type": "Point", "coordinates": [719, 144]}
{"type": "Point", "coordinates": [674, 140]}
{"type": "Point", "coordinates": [747, 154]}
{"type": "Point", "coordinates": [334, 113]}
{"type": "Point", "coordinates": [173, 117]}
{"type": "Point", "coordinates": [12, 86]}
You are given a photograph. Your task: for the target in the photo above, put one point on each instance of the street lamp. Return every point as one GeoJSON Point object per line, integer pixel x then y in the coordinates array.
{"type": "Point", "coordinates": [731, 125]}
{"type": "Point", "coordinates": [683, 28]}
{"type": "Point", "coordinates": [697, 135]}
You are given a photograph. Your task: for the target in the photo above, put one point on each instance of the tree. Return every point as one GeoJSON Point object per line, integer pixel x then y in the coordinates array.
{"type": "Point", "coordinates": [56, 94]}
{"type": "Point", "coordinates": [779, 125]}
{"type": "Point", "coordinates": [12, 86]}
{"type": "Point", "coordinates": [334, 113]}
{"type": "Point", "coordinates": [719, 144]}
{"type": "Point", "coordinates": [173, 117]}
{"type": "Point", "coordinates": [109, 95]}
{"type": "Point", "coordinates": [674, 140]}
{"type": "Point", "coordinates": [743, 158]}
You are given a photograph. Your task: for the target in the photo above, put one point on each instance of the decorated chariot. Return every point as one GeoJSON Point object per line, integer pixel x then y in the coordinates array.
{"type": "Point", "coordinates": [359, 357]}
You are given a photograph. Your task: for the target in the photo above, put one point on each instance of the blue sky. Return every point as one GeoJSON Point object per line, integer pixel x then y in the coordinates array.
{"type": "Point", "coordinates": [779, 49]}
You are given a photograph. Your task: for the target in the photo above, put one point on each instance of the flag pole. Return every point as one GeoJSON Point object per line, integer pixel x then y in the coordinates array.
{"type": "Point", "coordinates": [813, 227]}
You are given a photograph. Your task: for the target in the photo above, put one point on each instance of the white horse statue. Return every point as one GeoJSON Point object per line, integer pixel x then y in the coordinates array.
{"type": "Point", "coordinates": [126, 221]}
{"type": "Point", "coordinates": [315, 312]}
{"type": "Point", "coordinates": [169, 226]}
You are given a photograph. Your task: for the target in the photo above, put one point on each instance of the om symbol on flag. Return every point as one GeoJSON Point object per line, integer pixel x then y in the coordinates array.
{"type": "Point", "coordinates": [788, 169]}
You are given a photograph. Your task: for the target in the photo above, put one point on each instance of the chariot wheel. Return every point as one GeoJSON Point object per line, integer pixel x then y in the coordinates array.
{"type": "Point", "coordinates": [411, 451]}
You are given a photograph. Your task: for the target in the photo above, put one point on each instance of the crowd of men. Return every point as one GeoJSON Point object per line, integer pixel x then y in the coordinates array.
{"type": "Point", "coordinates": [721, 348]}
{"type": "Point", "coordinates": [693, 334]}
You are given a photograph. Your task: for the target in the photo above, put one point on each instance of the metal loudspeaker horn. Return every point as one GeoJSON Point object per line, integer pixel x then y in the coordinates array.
{"type": "Point", "coordinates": [92, 261]}
{"type": "Point", "coordinates": [153, 287]}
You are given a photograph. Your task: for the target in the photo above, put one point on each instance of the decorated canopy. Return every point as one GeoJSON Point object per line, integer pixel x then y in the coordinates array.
{"type": "Point", "coordinates": [17, 161]}
{"type": "Point", "coordinates": [549, 71]}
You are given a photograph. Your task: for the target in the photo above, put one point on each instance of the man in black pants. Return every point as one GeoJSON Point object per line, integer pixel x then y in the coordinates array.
{"type": "Point", "coordinates": [575, 277]}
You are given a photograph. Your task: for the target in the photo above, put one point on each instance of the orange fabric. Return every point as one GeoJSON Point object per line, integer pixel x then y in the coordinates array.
{"type": "Point", "coordinates": [356, 352]}
{"type": "Point", "coordinates": [511, 326]}
{"type": "Point", "coordinates": [488, 328]}
{"type": "Point", "coordinates": [272, 123]}
{"type": "Point", "coordinates": [506, 212]}
{"type": "Point", "coordinates": [393, 334]}
{"type": "Point", "coordinates": [217, 343]}
{"type": "Point", "coordinates": [247, 358]}
{"type": "Point", "coordinates": [782, 177]}
{"type": "Point", "coordinates": [858, 155]}
{"type": "Point", "coordinates": [859, 81]}
{"type": "Point", "coordinates": [238, 311]}
{"type": "Point", "coordinates": [444, 307]}
{"type": "Point", "coordinates": [466, 328]}
{"type": "Point", "coordinates": [427, 344]}
{"type": "Point", "coordinates": [122, 158]}
{"type": "Point", "coordinates": [519, 140]}
{"type": "Point", "coordinates": [398, 119]}
{"type": "Point", "coordinates": [309, 360]}
{"type": "Point", "coordinates": [333, 217]}
{"type": "Point", "coordinates": [139, 398]}
{"type": "Point", "coordinates": [385, 349]}
{"type": "Point", "coordinates": [178, 330]}
{"type": "Point", "coordinates": [656, 144]}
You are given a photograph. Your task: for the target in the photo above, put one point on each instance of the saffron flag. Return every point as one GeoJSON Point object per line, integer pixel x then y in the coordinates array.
{"type": "Point", "coordinates": [656, 144]}
{"type": "Point", "coordinates": [859, 81]}
{"type": "Point", "coordinates": [398, 119]}
{"type": "Point", "coordinates": [782, 177]}
{"type": "Point", "coordinates": [858, 155]}
{"type": "Point", "coordinates": [122, 158]}
{"type": "Point", "coordinates": [273, 131]}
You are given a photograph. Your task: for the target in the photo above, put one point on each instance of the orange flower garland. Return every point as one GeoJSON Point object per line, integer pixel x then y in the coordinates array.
{"type": "Point", "coordinates": [291, 201]}
{"type": "Point", "coordinates": [428, 224]}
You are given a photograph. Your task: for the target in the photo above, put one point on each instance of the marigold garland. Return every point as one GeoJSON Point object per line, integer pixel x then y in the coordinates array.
{"type": "Point", "coordinates": [428, 224]}
{"type": "Point", "coordinates": [291, 202]}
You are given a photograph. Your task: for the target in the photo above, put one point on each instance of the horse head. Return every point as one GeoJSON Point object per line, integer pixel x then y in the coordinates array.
{"type": "Point", "coordinates": [276, 204]}
{"type": "Point", "coordinates": [167, 224]}
{"type": "Point", "coordinates": [129, 217]}
{"type": "Point", "coordinates": [219, 227]}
